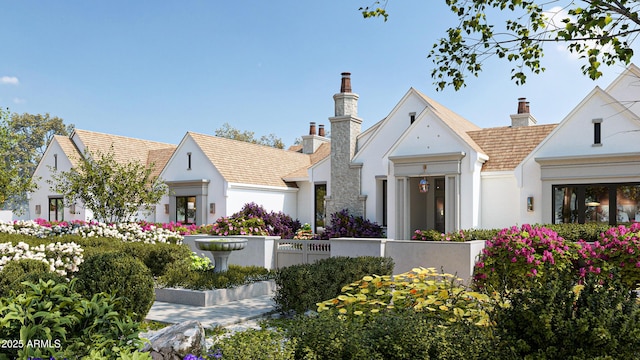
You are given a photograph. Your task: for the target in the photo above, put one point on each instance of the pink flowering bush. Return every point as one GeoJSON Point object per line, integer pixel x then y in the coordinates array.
{"type": "Point", "coordinates": [522, 257]}
{"type": "Point", "coordinates": [226, 226]}
{"type": "Point", "coordinates": [617, 251]}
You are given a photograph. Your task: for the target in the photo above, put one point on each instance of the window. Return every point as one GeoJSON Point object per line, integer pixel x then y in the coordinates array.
{"type": "Point", "coordinates": [55, 161]}
{"type": "Point", "coordinates": [186, 209]}
{"type": "Point", "coordinates": [604, 203]}
{"type": "Point", "coordinates": [56, 209]}
{"type": "Point", "coordinates": [597, 131]}
{"type": "Point", "coordinates": [319, 206]}
{"type": "Point", "coordinates": [412, 117]}
{"type": "Point", "coordinates": [188, 161]}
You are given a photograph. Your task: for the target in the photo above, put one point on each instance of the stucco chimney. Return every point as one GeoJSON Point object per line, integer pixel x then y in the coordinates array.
{"type": "Point", "coordinates": [321, 130]}
{"type": "Point", "coordinates": [311, 142]}
{"type": "Point", "coordinates": [523, 117]}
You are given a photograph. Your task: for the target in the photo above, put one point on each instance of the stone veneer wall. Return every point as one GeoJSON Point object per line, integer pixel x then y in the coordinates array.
{"type": "Point", "coordinates": [345, 176]}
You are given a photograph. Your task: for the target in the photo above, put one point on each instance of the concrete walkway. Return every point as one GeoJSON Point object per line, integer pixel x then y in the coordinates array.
{"type": "Point", "coordinates": [224, 315]}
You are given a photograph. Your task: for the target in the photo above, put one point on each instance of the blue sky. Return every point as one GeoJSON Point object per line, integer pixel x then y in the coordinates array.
{"type": "Point", "coordinates": [157, 69]}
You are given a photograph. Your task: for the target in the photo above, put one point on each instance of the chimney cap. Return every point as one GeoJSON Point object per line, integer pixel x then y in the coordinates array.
{"type": "Point", "coordinates": [345, 85]}
{"type": "Point", "coordinates": [523, 106]}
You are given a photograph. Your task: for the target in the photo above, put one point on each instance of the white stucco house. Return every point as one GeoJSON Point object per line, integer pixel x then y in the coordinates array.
{"type": "Point", "coordinates": [420, 167]}
{"type": "Point", "coordinates": [208, 177]}
{"type": "Point", "coordinates": [63, 153]}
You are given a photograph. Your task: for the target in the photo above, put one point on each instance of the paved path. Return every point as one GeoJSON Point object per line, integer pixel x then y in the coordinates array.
{"type": "Point", "coordinates": [225, 315]}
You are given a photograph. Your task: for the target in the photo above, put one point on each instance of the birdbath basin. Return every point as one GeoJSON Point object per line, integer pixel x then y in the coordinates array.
{"type": "Point", "coordinates": [221, 248]}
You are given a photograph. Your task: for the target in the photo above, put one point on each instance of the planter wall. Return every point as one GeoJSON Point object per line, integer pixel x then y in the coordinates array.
{"type": "Point", "coordinates": [451, 257]}
{"type": "Point", "coordinates": [216, 296]}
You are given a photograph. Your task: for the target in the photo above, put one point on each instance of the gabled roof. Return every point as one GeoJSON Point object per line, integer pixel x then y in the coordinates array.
{"type": "Point", "coordinates": [246, 163]}
{"type": "Point", "coordinates": [323, 151]}
{"type": "Point", "coordinates": [125, 149]}
{"type": "Point", "coordinates": [457, 123]}
{"type": "Point", "coordinates": [69, 148]}
{"type": "Point", "coordinates": [507, 146]}
{"type": "Point", "coordinates": [159, 158]}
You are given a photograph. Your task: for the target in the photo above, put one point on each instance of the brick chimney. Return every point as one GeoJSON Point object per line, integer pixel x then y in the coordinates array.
{"type": "Point", "coordinates": [523, 117]}
{"type": "Point", "coordinates": [312, 128]}
{"type": "Point", "coordinates": [321, 130]}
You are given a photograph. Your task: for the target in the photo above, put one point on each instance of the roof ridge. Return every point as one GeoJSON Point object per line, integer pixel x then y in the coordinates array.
{"type": "Point", "coordinates": [118, 136]}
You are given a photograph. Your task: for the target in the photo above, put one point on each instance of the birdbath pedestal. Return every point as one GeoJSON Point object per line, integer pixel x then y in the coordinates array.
{"type": "Point", "coordinates": [221, 248]}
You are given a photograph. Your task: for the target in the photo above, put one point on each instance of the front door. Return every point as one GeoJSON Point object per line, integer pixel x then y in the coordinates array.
{"type": "Point", "coordinates": [427, 204]}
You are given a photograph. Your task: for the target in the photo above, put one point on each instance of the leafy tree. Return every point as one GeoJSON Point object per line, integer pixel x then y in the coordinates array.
{"type": "Point", "coordinates": [113, 191]}
{"type": "Point", "coordinates": [12, 181]}
{"type": "Point", "coordinates": [36, 132]}
{"type": "Point", "coordinates": [229, 132]}
{"type": "Point", "coordinates": [599, 31]}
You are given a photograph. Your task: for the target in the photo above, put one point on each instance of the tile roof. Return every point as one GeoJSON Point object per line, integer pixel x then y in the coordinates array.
{"type": "Point", "coordinates": [246, 163]}
{"type": "Point", "coordinates": [125, 149]}
{"type": "Point", "coordinates": [508, 146]}
{"type": "Point", "coordinates": [159, 158]}
{"type": "Point", "coordinates": [69, 148]}
{"type": "Point", "coordinates": [323, 151]}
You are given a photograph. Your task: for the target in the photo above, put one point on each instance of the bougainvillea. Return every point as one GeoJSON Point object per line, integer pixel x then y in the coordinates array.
{"type": "Point", "coordinates": [344, 224]}
{"type": "Point", "coordinates": [520, 257]}
{"type": "Point", "coordinates": [618, 250]}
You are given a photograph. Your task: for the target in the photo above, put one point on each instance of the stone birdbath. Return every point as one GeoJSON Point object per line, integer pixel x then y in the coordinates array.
{"type": "Point", "coordinates": [221, 248]}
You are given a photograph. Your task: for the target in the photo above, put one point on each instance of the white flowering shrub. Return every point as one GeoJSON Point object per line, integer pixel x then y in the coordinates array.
{"type": "Point", "coordinates": [129, 232]}
{"type": "Point", "coordinates": [62, 258]}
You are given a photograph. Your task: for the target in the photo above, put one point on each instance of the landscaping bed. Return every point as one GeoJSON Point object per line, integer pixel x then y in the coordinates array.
{"type": "Point", "coordinates": [215, 296]}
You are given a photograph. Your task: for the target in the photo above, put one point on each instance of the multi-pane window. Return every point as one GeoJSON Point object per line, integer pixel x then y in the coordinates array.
{"type": "Point", "coordinates": [606, 203]}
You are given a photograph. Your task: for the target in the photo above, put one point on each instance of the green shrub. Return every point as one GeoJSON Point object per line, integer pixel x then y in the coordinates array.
{"type": "Point", "coordinates": [157, 257]}
{"type": "Point", "coordinates": [300, 287]}
{"type": "Point", "coordinates": [121, 274]}
{"type": "Point", "coordinates": [462, 235]}
{"type": "Point", "coordinates": [255, 344]}
{"type": "Point", "coordinates": [18, 271]}
{"type": "Point", "coordinates": [574, 232]}
{"type": "Point", "coordinates": [74, 326]}
{"type": "Point", "coordinates": [559, 320]}
{"type": "Point", "coordinates": [395, 335]}
{"type": "Point", "coordinates": [179, 274]}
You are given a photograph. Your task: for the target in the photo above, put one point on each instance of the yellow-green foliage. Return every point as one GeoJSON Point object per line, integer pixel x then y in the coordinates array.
{"type": "Point", "coordinates": [439, 295]}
